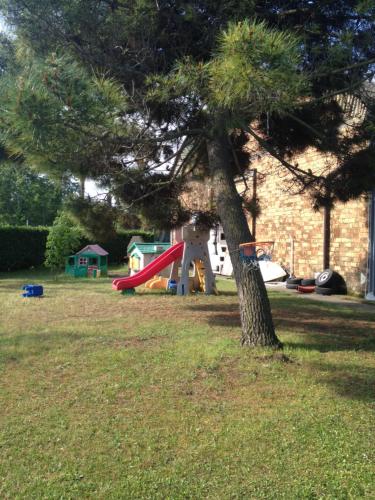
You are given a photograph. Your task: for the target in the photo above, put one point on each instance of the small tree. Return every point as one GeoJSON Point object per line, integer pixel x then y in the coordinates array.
{"type": "Point", "coordinates": [63, 239]}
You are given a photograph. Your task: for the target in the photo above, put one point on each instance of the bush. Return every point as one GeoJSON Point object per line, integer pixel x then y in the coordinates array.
{"type": "Point", "coordinates": [64, 238]}
{"type": "Point", "coordinates": [22, 247]}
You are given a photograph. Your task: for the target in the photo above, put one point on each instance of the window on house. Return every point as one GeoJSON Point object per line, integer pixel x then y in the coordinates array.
{"type": "Point", "coordinates": [222, 236]}
{"type": "Point", "coordinates": [93, 261]}
{"type": "Point", "coordinates": [83, 261]}
{"type": "Point", "coordinates": [223, 249]}
{"type": "Point", "coordinates": [136, 263]}
{"type": "Point", "coordinates": [71, 261]}
{"type": "Point", "coordinates": [221, 259]}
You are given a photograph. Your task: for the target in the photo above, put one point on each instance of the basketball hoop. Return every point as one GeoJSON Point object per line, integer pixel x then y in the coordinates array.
{"type": "Point", "coordinates": [256, 250]}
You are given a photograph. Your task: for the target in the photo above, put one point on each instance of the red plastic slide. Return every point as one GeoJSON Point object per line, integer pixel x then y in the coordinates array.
{"type": "Point", "coordinates": [164, 260]}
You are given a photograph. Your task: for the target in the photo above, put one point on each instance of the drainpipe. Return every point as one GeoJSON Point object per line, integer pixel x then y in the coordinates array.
{"type": "Point", "coordinates": [326, 236]}
{"type": "Point", "coordinates": [254, 219]}
{"type": "Point", "coordinates": [291, 271]}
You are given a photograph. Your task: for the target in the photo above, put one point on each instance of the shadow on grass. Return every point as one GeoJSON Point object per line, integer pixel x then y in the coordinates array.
{"type": "Point", "coordinates": [323, 326]}
{"type": "Point", "coordinates": [348, 381]}
{"type": "Point", "coordinates": [320, 327]}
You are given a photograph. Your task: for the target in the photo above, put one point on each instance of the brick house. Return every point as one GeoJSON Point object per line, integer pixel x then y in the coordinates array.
{"type": "Point", "coordinates": [306, 241]}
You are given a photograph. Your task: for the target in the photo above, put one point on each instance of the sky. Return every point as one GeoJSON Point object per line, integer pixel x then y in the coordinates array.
{"type": "Point", "coordinates": [3, 26]}
{"type": "Point", "coordinates": [91, 187]}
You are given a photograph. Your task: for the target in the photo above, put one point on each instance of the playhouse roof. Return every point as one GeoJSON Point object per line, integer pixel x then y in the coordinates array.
{"type": "Point", "coordinates": [155, 247]}
{"type": "Point", "coordinates": [96, 249]}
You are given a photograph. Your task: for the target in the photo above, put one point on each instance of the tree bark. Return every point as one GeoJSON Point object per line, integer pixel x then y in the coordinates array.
{"type": "Point", "coordinates": [82, 186]}
{"type": "Point", "coordinates": [255, 309]}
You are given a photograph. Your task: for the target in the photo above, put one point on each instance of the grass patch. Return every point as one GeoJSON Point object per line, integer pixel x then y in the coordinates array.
{"type": "Point", "coordinates": [105, 396]}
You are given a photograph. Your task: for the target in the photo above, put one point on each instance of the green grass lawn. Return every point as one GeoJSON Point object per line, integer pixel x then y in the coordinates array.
{"type": "Point", "coordinates": [151, 396]}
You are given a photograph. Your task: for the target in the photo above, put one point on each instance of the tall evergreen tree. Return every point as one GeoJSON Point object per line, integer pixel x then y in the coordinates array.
{"type": "Point", "coordinates": [193, 78]}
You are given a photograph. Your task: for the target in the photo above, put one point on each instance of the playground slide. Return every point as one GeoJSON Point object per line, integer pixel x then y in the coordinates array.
{"type": "Point", "coordinates": [165, 259]}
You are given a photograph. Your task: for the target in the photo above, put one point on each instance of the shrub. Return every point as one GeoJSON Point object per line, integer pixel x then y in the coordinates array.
{"type": "Point", "coordinates": [22, 247]}
{"type": "Point", "coordinates": [64, 238]}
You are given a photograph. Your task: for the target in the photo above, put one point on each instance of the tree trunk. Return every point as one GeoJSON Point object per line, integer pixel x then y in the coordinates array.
{"type": "Point", "coordinates": [82, 186]}
{"type": "Point", "coordinates": [255, 310]}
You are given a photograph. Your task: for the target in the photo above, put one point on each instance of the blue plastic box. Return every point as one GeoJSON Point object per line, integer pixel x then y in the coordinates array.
{"type": "Point", "coordinates": [32, 291]}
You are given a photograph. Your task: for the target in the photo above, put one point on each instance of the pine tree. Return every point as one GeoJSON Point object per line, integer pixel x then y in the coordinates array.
{"type": "Point", "coordinates": [191, 78]}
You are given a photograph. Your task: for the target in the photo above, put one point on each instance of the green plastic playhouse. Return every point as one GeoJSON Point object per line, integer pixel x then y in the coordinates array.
{"type": "Point", "coordinates": [141, 254]}
{"type": "Point", "coordinates": [92, 260]}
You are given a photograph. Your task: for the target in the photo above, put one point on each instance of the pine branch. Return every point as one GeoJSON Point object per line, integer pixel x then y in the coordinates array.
{"type": "Point", "coordinates": [344, 90]}
{"type": "Point", "coordinates": [344, 68]}
{"type": "Point", "coordinates": [306, 125]}
{"type": "Point", "coordinates": [300, 174]}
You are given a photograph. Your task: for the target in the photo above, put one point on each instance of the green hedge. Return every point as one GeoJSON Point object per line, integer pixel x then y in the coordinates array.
{"type": "Point", "coordinates": [22, 247]}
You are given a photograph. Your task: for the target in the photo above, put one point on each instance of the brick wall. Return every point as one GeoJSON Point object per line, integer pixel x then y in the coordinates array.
{"type": "Point", "coordinates": [287, 217]}
{"type": "Point", "coordinates": [349, 243]}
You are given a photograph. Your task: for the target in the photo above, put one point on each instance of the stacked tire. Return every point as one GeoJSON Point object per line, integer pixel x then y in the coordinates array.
{"type": "Point", "coordinates": [293, 283]}
{"type": "Point", "coordinates": [307, 286]}
{"type": "Point", "coordinates": [329, 282]}
{"type": "Point", "coordinates": [308, 282]}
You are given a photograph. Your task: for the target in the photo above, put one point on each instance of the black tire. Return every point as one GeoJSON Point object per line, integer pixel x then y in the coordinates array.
{"type": "Point", "coordinates": [308, 282]}
{"type": "Point", "coordinates": [340, 289]}
{"type": "Point", "coordinates": [324, 278]}
{"type": "Point", "coordinates": [291, 286]}
{"type": "Point", "coordinates": [329, 278]}
{"type": "Point", "coordinates": [294, 281]}
{"type": "Point", "coordinates": [321, 290]}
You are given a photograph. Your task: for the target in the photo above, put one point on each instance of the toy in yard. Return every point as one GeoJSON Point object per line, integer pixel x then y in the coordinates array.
{"type": "Point", "coordinates": [192, 249]}
{"type": "Point", "coordinates": [157, 282]}
{"type": "Point", "coordinates": [261, 252]}
{"type": "Point", "coordinates": [32, 291]}
{"type": "Point", "coordinates": [154, 267]}
{"type": "Point", "coordinates": [196, 253]}
{"type": "Point", "coordinates": [91, 261]}
{"type": "Point", "coordinates": [172, 286]}
{"type": "Point", "coordinates": [142, 254]}
{"type": "Point", "coordinates": [218, 249]}
{"type": "Point", "coordinates": [256, 251]}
